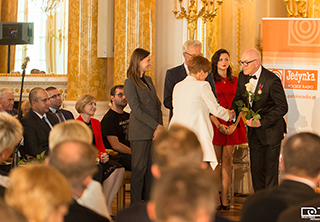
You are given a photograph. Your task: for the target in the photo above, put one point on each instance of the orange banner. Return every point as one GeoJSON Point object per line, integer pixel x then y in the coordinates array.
{"type": "Point", "coordinates": [291, 49]}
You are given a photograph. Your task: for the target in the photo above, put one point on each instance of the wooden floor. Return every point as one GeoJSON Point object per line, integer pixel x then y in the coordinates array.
{"type": "Point", "coordinates": [233, 214]}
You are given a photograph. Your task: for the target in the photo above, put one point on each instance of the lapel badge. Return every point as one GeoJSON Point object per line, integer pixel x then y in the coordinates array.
{"type": "Point", "coordinates": [260, 88]}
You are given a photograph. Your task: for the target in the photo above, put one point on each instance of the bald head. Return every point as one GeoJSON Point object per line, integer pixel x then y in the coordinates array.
{"type": "Point", "coordinates": [39, 101]}
{"type": "Point", "coordinates": [75, 160]}
{"type": "Point", "coordinates": [253, 54]}
{"type": "Point", "coordinates": [250, 61]}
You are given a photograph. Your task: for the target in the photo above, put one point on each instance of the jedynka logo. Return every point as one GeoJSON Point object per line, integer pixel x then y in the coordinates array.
{"type": "Point", "coordinates": [301, 79]}
{"type": "Point", "coordinates": [300, 76]}
{"type": "Point", "coordinates": [310, 213]}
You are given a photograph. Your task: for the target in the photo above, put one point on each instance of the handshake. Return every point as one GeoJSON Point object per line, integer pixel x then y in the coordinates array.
{"type": "Point", "coordinates": [232, 114]}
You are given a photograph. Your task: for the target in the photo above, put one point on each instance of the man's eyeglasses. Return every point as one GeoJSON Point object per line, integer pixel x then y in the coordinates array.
{"type": "Point", "coordinates": [119, 94]}
{"type": "Point", "coordinates": [193, 54]}
{"type": "Point", "coordinates": [245, 64]}
{"type": "Point", "coordinates": [55, 96]}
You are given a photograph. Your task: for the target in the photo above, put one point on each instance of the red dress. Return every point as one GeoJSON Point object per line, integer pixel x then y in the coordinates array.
{"type": "Point", "coordinates": [225, 92]}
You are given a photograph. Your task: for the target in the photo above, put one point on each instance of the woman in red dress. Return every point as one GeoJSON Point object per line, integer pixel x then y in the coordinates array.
{"type": "Point", "coordinates": [226, 134]}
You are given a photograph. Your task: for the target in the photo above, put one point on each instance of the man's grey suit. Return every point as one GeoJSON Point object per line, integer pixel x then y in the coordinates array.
{"type": "Point", "coordinates": [145, 116]}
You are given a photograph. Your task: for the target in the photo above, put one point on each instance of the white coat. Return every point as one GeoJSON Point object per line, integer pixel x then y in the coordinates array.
{"type": "Point", "coordinates": [193, 101]}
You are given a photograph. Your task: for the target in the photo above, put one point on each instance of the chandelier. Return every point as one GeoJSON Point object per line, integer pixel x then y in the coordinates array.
{"type": "Point", "coordinates": [47, 5]}
{"type": "Point", "coordinates": [208, 10]}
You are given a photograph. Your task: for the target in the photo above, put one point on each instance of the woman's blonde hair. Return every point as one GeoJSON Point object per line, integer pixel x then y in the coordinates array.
{"type": "Point", "coordinates": [10, 131]}
{"type": "Point", "coordinates": [37, 190]}
{"type": "Point", "coordinates": [25, 106]}
{"type": "Point", "coordinates": [82, 101]}
{"type": "Point", "coordinates": [69, 130]}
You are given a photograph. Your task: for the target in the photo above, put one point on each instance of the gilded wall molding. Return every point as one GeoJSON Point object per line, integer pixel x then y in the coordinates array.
{"type": "Point", "coordinates": [134, 27]}
{"type": "Point", "coordinates": [86, 72]}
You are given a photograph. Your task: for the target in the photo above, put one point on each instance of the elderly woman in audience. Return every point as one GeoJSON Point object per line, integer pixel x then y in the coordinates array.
{"type": "Point", "coordinates": [113, 172]}
{"type": "Point", "coordinates": [40, 192]}
{"type": "Point", "coordinates": [10, 135]}
{"type": "Point", "coordinates": [93, 197]}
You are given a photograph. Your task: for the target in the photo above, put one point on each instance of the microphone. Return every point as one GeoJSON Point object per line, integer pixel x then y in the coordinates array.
{"type": "Point", "coordinates": [25, 62]}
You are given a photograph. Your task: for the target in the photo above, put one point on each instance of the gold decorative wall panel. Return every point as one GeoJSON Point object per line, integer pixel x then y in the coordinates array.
{"type": "Point", "coordinates": [9, 11]}
{"type": "Point", "coordinates": [134, 27]}
{"type": "Point", "coordinates": [314, 9]}
{"type": "Point", "coordinates": [212, 37]}
{"type": "Point", "coordinates": [86, 72]}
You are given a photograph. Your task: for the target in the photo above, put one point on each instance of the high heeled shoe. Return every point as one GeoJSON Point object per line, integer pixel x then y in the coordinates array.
{"type": "Point", "coordinates": [222, 207]}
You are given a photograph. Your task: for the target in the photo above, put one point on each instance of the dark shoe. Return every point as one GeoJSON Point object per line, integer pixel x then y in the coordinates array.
{"type": "Point", "coordinates": [219, 207]}
{"type": "Point", "coordinates": [222, 207]}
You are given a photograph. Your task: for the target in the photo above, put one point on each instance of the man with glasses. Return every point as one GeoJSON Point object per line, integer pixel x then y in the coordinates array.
{"type": "Point", "coordinates": [7, 101]}
{"type": "Point", "coordinates": [178, 73]}
{"type": "Point", "coordinates": [265, 137]}
{"type": "Point", "coordinates": [114, 127]}
{"type": "Point", "coordinates": [55, 104]}
{"type": "Point", "coordinates": [37, 123]}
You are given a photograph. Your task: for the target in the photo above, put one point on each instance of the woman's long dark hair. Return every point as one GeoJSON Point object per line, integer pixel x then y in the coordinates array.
{"type": "Point", "coordinates": [133, 70]}
{"type": "Point", "coordinates": [214, 61]}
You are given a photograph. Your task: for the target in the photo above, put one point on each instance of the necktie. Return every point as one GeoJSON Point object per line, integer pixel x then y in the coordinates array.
{"type": "Point", "coordinates": [253, 77]}
{"type": "Point", "coordinates": [47, 122]}
{"type": "Point", "coordinates": [60, 116]}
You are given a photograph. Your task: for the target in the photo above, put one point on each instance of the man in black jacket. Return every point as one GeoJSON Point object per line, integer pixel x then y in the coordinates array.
{"type": "Point", "coordinates": [37, 123]}
{"type": "Point", "coordinates": [301, 154]}
{"type": "Point", "coordinates": [76, 161]}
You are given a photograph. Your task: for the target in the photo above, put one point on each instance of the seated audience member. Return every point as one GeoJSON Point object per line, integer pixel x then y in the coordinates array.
{"type": "Point", "coordinates": [37, 123]}
{"type": "Point", "coordinates": [114, 127]}
{"type": "Point", "coordinates": [92, 197]}
{"type": "Point", "coordinates": [305, 211]}
{"type": "Point", "coordinates": [42, 72]}
{"type": "Point", "coordinates": [35, 71]}
{"type": "Point", "coordinates": [177, 147]}
{"type": "Point", "coordinates": [25, 107]}
{"type": "Point", "coordinates": [76, 161]}
{"type": "Point", "coordinates": [40, 192]}
{"type": "Point", "coordinates": [55, 105]}
{"type": "Point", "coordinates": [9, 214]}
{"type": "Point", "coordinates": [7, 101]}
{"type": "Point", "coordinates": [113, 172]}
{"type": "Point", "coordinates": [10, 135]}
{"type": "Point", "coordinates": [301, 154]}
{"type": "Point", "coordinates": [185, 195]}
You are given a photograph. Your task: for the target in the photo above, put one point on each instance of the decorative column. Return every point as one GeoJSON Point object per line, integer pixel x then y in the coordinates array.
{"type": "Point", "coordinates": [8, 13]}
{"type": "Point", "coordinates": [86, 72]}
{"type": "Point", "coordinates": [134, 27]}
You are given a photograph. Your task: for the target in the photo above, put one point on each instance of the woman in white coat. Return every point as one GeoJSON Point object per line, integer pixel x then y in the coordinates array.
{"type": "Point", "coordinates": [193, 102]}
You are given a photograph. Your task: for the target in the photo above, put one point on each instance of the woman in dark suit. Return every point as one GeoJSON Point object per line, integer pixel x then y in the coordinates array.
{"type": "Point", "coordinates": [145, 121]}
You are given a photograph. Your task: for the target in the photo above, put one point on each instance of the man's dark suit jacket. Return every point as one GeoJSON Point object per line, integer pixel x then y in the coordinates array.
{"type": "Point", "coordinates": [175, 75]}
{"type": "Point", "coordinates": [273, 105]}
{"type": "Point", "coordinates": [294, 213]}
{"type": "Point", "coordinates": [66, 113]}
{"type": "Point", "coordinates": [266, 205]}
{"type": "Point", "coordinates": [36, 133]}
{"type": "Point", "coordinates": [80, 213]}
{"type": "Point", "coordinates": [13, 112]}
{"type": "Point", "coordinates": [138, 212]}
